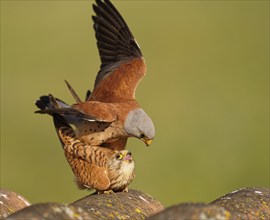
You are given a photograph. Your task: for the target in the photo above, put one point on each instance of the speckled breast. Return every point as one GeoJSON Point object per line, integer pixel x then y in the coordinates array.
{"type": "Point", "coordinates": [97, 133]}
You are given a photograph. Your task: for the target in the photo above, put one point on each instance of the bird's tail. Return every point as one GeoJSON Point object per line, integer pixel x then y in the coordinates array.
{"type": "Point", "coordinates": [50, 105]}
{"type": "Point", "coordinates": [48, 102]}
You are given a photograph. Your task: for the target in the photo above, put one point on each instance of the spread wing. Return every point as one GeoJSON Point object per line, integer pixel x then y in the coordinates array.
{"type": "Point", "coordinates": [122, 64]}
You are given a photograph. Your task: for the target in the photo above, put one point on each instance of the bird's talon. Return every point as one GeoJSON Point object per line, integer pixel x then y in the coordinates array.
{"type": "Point", "coordinates": [105, 192]}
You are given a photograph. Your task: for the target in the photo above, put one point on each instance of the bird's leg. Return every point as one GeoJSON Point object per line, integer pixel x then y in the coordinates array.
{"type": "Point", "coordinates": [126, 190]}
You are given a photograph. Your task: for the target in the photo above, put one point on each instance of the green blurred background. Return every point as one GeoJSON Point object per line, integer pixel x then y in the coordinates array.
{"type": "Point", "coordinates": [206, 90]}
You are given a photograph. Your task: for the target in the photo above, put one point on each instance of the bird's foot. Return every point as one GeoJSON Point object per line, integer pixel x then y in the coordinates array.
{"type": "Point", "coordinates": [105, 192]}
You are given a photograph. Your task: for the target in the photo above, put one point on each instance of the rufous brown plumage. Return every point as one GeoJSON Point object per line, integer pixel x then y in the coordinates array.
{"type": "Point", "coordinates": [95, 167]}
{"type": "Point", "coordinates": [110, 114]}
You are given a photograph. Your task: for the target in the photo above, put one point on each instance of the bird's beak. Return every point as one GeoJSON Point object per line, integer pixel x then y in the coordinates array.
{"type": "Point", "coordinates": [128, 157]}
{"type": "Point", "coordinates": [147, 142]}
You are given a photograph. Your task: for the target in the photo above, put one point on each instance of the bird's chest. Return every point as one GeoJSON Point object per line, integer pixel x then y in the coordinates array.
{"type": "Point", "coordinates": [96, 133]}
{"type": "Point", "coordinates": [122, 176]}
{"type": "Point", "coordinates": [127, 171]}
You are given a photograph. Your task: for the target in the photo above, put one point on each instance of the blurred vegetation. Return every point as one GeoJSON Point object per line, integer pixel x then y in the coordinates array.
{"type": "Point", "coordinates": [206, 90]}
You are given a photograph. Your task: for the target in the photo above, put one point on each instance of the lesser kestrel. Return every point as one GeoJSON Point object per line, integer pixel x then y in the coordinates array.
{"type": "Point", "coordinates": [95, 167]}
{"type": "Point", "coordinates": [110, 114]}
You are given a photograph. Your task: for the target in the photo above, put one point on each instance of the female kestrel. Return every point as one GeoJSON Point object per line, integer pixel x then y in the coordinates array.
{"type": "Point", "coordinates": [110, 114]}
{"type": "Point", "coordinates": [95, 167]}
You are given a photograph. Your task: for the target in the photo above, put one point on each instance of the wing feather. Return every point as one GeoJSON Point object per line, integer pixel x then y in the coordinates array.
{"type": "Point", "coordinates": [89, 163]}
{"type": "Point", "coordinates": [117, 47]}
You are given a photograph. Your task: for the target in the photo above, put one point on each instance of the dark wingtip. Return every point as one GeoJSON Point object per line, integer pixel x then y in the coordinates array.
{"type": "Point", "coordinates": [59, 121]}
{"type": "Point", "coordinates": [38, 111]}
{"type": "Point", "coordinates": [114, 39]}
{"type": "Point", "coordinates": [42, 103]}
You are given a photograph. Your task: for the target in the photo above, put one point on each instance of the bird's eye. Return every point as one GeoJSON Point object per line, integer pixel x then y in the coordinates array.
{"type": "Point", "coordinates": [142, 136]}
{"type": "Point", "coordinates": [119, 156]}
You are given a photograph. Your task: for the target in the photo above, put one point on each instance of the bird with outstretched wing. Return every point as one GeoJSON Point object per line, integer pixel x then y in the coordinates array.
{"type": "Point", "coordinates": [110, 114]}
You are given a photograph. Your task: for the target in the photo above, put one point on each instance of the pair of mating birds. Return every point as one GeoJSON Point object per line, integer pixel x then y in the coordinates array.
{"type": "Point", "coordinates": [110, 114]}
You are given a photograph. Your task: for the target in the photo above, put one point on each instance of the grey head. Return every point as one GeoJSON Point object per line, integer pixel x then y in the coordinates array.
{"type": "Point", "coordinates": [138, 124]}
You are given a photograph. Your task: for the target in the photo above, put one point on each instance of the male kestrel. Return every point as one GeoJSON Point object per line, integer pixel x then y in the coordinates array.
{"type": "Point", "coordinates": [95, 167]}
{"type": "Point", "coordinates": [110, 114]}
